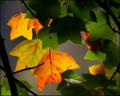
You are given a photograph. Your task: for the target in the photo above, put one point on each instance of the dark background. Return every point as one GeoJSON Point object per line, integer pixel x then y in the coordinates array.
{"type": "Point", "coordinates": [10, 8]}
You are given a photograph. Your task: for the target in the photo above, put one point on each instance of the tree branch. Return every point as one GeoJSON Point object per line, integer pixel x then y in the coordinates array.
{"type": "Point", "coordinates": [7, 68]}
{"type": "Point", "coordinates": [17, 81]}
{"type": "Point", "coordinates": [109, 11]}
{"type": "Point", "coordinates": [29, 9]}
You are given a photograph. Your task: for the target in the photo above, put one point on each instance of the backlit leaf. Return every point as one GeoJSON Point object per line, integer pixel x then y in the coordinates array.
{"type": "Point", "coordinates": [21, 26]}
{"type": "Point", "coordinates": [98, 69]}
{"type": "Point", "coordinates": [29, 53]}
{"type": "Point", "coordinates": [90, 55]}
{"type": "Point", "coordinates": [53, 63]}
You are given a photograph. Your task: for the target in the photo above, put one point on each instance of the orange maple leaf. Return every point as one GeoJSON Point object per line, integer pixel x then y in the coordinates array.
{"type": "Point", "coordinates": [53, 63]}
{"type": "Point", "coordinates": [98, 69]}
{"type": "Point", "coordinates": [21, 26]}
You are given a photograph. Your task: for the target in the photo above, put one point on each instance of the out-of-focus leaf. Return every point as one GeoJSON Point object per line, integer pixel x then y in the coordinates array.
{"type": "Point", "coordinates": [63, 5]}
{"type": "Point", "coordinates": [83, 8]}
{"type": "Point", "coordinates": [98, 69]}
{"type": "Point", "coordinates": [100, 29]}
{"type": "Point", "coordinates": [21, 91]}
{"type": "Point", "coordinates": [48, 39]}
{"type": "Point", "coordinates": [91, 82]}
{"type": "Point", "coordinates": [69, 74]}
{"type": "Point", "coordinates": [68, 28]}
{"type": "Point", "coordinates": [90, 55]}
{"type": "Point", "coordinates": [71, 89]}
{"type": "Point", "coordinates": [112, 54]}
{"type": "Point", "coordinates": [45, 9]}
{"type": "Point", "coordinates": [2, 2]}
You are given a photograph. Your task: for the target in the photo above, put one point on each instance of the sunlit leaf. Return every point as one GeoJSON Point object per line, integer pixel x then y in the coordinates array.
{"type": "Point", "coordinates": [98, 69]}
{"type": "Point", "coordinates": [29, 53]}
{"type": "Point", "coordinates": [53, 63]}
{"type": "Point", "coordinates": [21, 26]}
{"type": "Point", "coordinates": [90, 55]}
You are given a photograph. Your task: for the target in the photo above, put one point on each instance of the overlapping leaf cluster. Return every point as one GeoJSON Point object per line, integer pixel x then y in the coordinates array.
{"type": "Point", "coordinates": [82, 22]}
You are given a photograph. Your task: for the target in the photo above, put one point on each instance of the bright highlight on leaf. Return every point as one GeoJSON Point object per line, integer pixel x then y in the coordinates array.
{"type": "Point", "coordinates": [29, 53]}
{"type": "Point", "coordinates": [98, 69]}
{"type": "Point", "coordinates": [53, 63]}
{"type": "Point", "coordinates": [21, 26]}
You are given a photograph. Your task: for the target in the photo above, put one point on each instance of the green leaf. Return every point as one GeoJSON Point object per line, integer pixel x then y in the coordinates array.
{"type": "Point", "coordinates": [70, 84]}
{"type": "Point", "coordinates": [112, 54]}
{"type": "Point", "coordinates": [29, 15]}
{"type": "Point", "coordinates": [5, 90]}
{"type": "Point", "coordinates": [29, 53]}
{"type": "Point", "coordinates": [91, 82]}
{"type": "Point", "coordinates": [90, 55]}
{"type": "Point", "coordinates": [83, 8]}
{"type": "Point", "coordinates": [100, 29]}
{"type": "Point", "coordinates": [45, 9]}
{"type": "Point", "coordinates": [63, 8]}
{"type": "Point", "coordinates": [68, 28]}
{"type": "Point", "coordinates": [71, 89]}
{"type": "Point", "coordinates": [48, 39]}
{"type": "Point", "coordinates": [70, 75]}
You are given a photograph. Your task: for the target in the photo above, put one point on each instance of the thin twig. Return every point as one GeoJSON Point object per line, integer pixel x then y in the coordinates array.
{"type": "Point", "coordinates": [17, 81]}
{"type": "Point", "coordinates": [109, 11]}
{"type": "Point", "coordinates": [25, 69]}
{"type": "Point", "coordinates": [7, 67]}
{"type": "Point", "coordinates": [29, 9]}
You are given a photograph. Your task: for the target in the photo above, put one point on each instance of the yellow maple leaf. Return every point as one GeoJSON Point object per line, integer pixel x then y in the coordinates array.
{"type": "Point", "coordinates": [29, 53]}
{"type": "Point", "coordinates": [53, 63]}
{"type": "Point", "coordinates": [21, 26]}
{"type": "Point", "coordinates": [98, 69]}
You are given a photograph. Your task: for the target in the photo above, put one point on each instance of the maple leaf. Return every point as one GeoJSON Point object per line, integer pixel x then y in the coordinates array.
{"type": "Point", "coordinates": [98, 69]}
{"type": "Point", "coordinates": [29, 53]}
{"type": "Point", "coordinates": [21, 26]}
{"type": "Point", "coordinates": [53, 63]}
